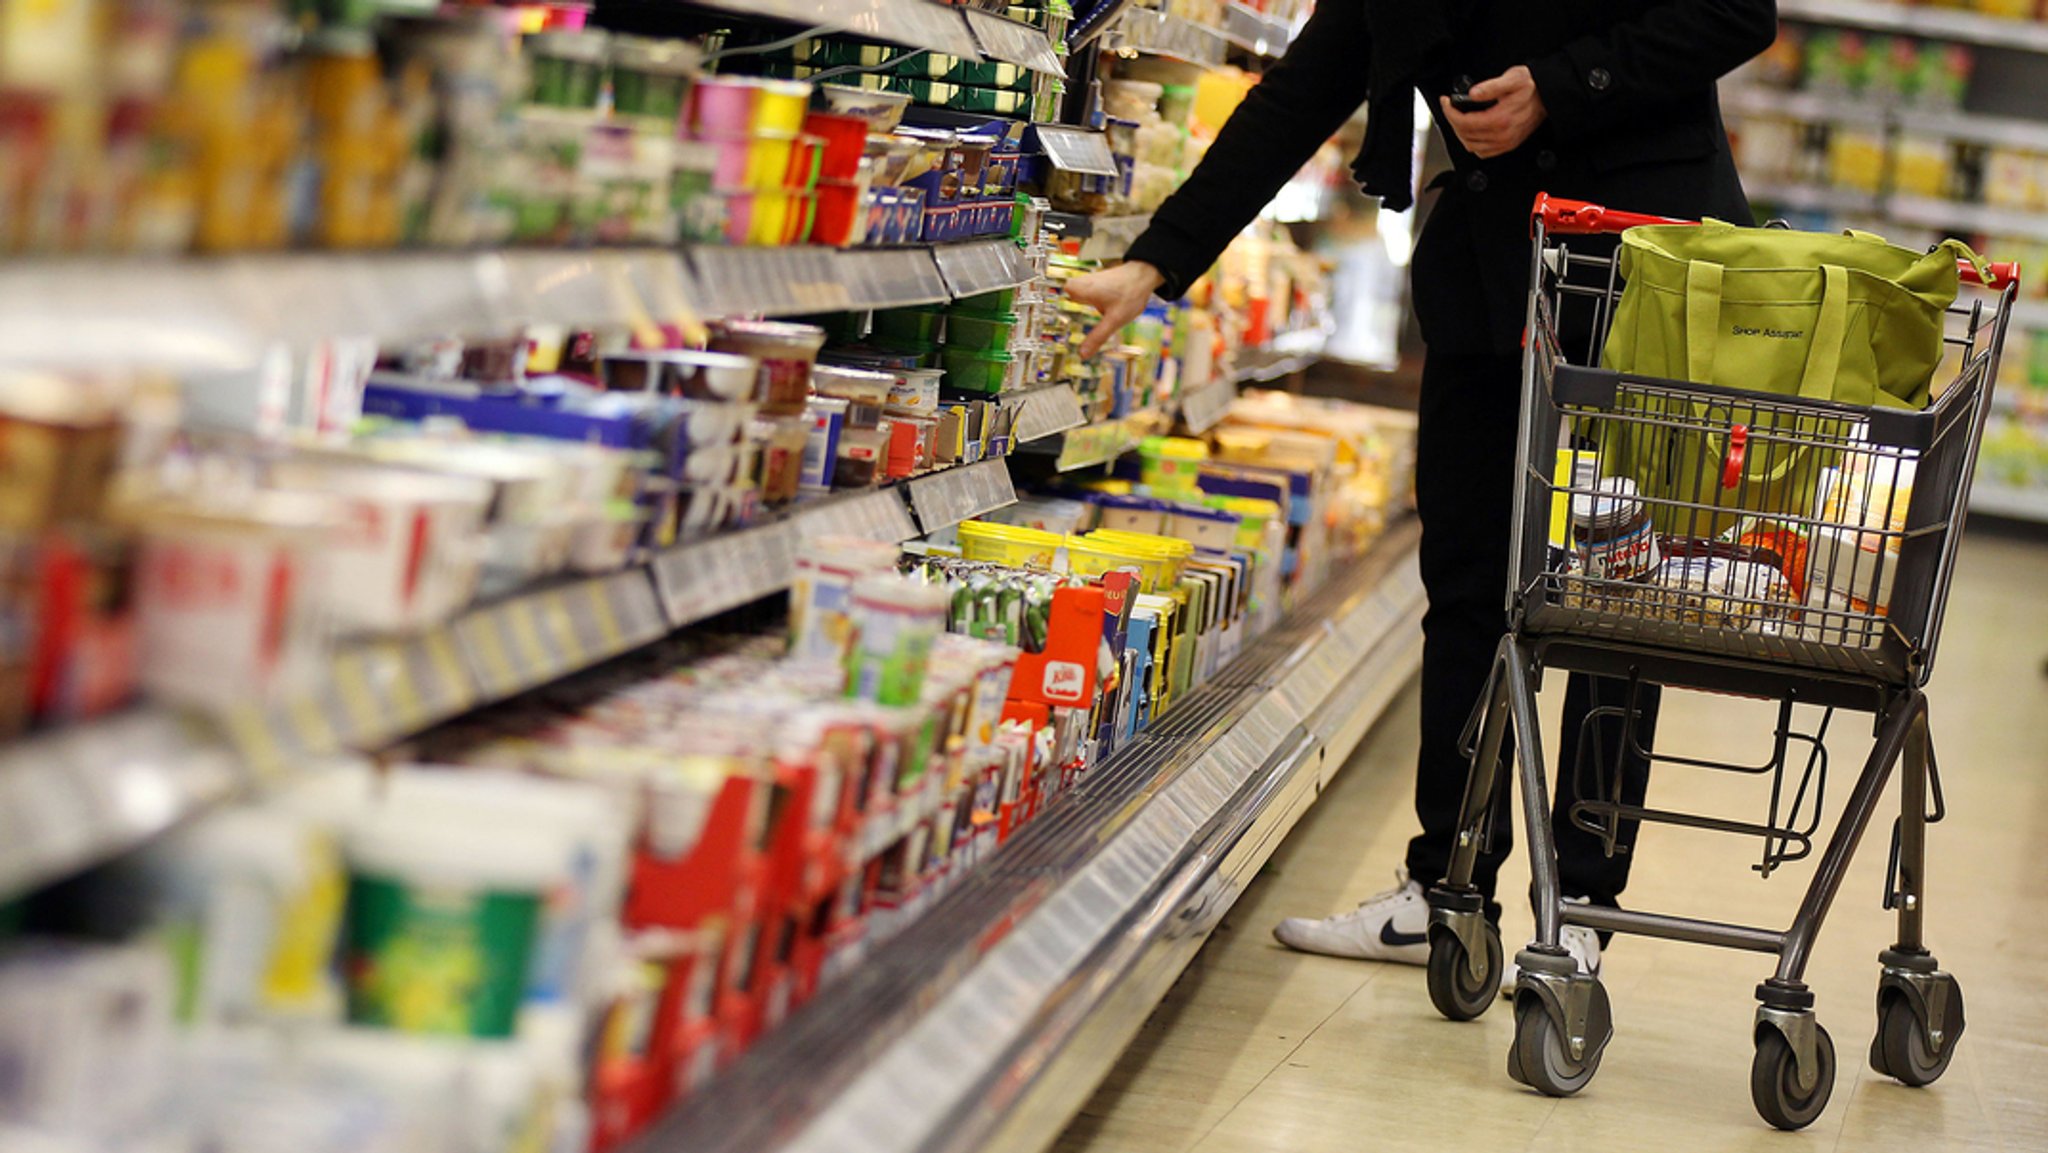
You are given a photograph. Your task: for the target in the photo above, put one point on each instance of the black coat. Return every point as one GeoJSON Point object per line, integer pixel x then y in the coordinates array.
{"type": "Point", "coordinates": [1633, 123]}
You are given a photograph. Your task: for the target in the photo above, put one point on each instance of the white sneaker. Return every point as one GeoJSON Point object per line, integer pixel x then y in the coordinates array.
{"type": "Point", "coordinates": [1582, 943]}
{"type": "Point", "coordinates": [1393, 926]}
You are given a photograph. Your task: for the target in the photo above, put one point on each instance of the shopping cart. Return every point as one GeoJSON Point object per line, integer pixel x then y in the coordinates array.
{"type": "Point", "coordinates": [1799, 551]}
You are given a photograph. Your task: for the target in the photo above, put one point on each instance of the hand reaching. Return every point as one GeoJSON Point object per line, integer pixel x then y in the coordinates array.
{"type": "Point", "coordinates": [1119, 294]}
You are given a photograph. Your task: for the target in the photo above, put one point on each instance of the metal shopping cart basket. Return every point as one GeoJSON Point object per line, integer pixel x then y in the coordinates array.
{"type": "Point", "coordinates": [1811, 571]}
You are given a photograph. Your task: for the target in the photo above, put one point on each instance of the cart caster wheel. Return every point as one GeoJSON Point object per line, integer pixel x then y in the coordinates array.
{"type": "Point", "coordinates": [1774, 1080]}
{"type": "Point", "coordinates": [1540, 1059]}
{"type": "Point", "coordinates": [1900, 1049]}
{"type": "Point", "coordinates": [1453, 989]}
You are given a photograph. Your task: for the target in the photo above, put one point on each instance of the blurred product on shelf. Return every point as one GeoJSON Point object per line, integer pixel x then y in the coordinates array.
{"type": "Point", "coordinates": [577, 906]}
{"type": "Point", "coordinates": [225, 129]}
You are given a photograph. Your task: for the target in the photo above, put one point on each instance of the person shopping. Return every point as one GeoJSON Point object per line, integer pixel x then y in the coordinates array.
{"type": "Point", "coordinates": [1610, 101]}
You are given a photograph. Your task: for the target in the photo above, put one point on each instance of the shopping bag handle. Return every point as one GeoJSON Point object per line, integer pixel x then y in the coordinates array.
{"type": "Point", "coordinates": [1561, 217]}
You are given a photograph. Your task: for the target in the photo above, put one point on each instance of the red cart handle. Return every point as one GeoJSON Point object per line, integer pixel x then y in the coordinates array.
{"type": "Point", "coordinates": [1561, 217]}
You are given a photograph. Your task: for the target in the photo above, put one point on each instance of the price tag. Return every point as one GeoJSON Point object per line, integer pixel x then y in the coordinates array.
{"type": "Point", "coordinates": [1076, 149]}
{"type": "Point", "coordinates": [485, 642]}
{"type": "Point", "coordinates": [522, 619]}
{"type": "Point", "coordinates": [631, 602]}
{"type": "Point", "coordinates": [982, 266]}
{"type": "Point", "coordinates": [810, 278]}
{"type": "Point", "coordinates": [892, 277]}
{"type": "Point", "coordinates": [708, 577]}
{"type": "Point", "coordinates": [1205, 406]}
{"type": "Point", "coordinates": [949, 497]}
{"type": "Point", "coordinates": [1014, 43]}
{"type": "Point", "coordinates": [1048, 411]}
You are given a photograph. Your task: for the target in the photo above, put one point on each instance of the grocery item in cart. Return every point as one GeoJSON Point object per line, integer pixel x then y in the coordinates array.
{"type": "Point", "coordinates": [1718, 588]}
{"type": "Point", "coordinates": [1611, 532]}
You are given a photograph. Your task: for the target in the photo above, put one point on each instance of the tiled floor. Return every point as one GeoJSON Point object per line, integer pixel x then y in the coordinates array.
{"type": "Point", "coordinates": [1259, 1049]}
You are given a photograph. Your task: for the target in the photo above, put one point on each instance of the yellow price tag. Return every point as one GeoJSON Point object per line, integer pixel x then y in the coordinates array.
{"type": "Point", "coordinates": [526, 637]}
{"type": "Point", "coordinates": [607, 619]}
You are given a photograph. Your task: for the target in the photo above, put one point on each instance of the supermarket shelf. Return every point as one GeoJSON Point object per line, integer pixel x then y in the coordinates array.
{"type": "Point", "coordinates": [1932, 22]}
{"type": "Point", "coordinates": [1930, 213]}
{"type": "Point", "coordinates": [1204, 407]}
{"type": "Point", "coordinates": [947, 498]}
{"type": "Point", "coordinates": [2001, 131]}
{"type": "Point", "coordinates": [1101, 237]}
{"type": "Point", "coordinates": [1160, 34]}
{"type": "Point", "coordinates": [985, 1024]}
{"type": "Point", "coordinates": [707, 577]}
{"type": "Point", "coordinates": [1283, 356]}
{"type": "Point", "coordinates": [1101, 442]}
{"type": "Point", "coordinates": [2030, 504]}
{"type": "Point", "coordinates": [1045, 411]}
{"type": "Point", "coordinates": [77, 797]}
{"type": "Point", "coordinates": [914, 23]}
{"type": "Point", "coordinates": [218, 315]}
{"type": "Point", "coordinates": [802, 280]}
{"type": "Point", "coordinates": [1813, 197]}
{"type": "Point", "coordinates": [1255, 31]}
{"type": "Point", "coordinates": [1014, 43]}
{"type": "Point", "coordinates": [980, 266]}
{"type": "Point", "coordinates": [1810, 107]}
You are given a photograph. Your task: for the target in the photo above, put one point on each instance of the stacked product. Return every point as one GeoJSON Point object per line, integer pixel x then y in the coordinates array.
{"type": "Point", "coordinates": [652, 869]}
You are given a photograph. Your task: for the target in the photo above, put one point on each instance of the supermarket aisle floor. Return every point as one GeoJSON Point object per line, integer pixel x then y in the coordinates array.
{"type": "Point", "coordinates": [1260, 1049]}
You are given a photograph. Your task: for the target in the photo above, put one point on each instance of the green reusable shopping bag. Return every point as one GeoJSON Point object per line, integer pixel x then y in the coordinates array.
{"type": "Point", "coordinates": [1822, 316]}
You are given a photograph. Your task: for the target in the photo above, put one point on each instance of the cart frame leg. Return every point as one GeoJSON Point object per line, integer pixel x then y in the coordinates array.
{"type": "Point", "coordinates": [1576, 1002]}
{"type": "Point", "coordinates": [1455, 904]}
{"type": "Point", "coordinates": [1786, 1003]}
{"type": "Point", "coordinates": [1910, 971]}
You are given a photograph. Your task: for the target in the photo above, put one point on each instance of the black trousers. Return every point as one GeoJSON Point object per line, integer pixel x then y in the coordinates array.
{"type": "Point", "coordinates": [1464, 477]}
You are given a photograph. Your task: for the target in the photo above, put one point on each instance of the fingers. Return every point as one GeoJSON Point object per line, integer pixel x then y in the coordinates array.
{"type": "Point", "coordinates": [1479, 132]}
{"type": "Point", "coordinates": [1505, 84]}
{"type": "Point", "coordinates": [1097, 337]}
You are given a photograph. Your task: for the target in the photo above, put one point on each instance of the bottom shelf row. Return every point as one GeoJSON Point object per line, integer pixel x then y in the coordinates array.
{"type": "Point", "coordinates": [543, 924]}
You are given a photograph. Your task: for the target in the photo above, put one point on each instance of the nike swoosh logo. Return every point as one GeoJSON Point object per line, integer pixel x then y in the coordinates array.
{"type": "Point", "coordinates": [1398, 940]}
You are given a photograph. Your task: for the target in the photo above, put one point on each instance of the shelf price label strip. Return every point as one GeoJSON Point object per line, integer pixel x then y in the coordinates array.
{"type": "Point", "coordinates": [950, 497]}
{"type": "Point", "coordinates": [891, 277]}
{"type": "Point", "coordinates": [1202, 408]}
{"type": "Point", "coordinates": [71, 798]}
{"type": "Point", "coordinates": [1014, 43]}
{"type": "Point", "coordinates": [770, 281]}
{"type": "Point", "coordinates": [982, 266]}
{"type": "Point", "coordinates": [706, 578]}
{"type": "Point", "coordinates": [877, 516]}
{"type": "Point", "coordinates": [1048, 412]}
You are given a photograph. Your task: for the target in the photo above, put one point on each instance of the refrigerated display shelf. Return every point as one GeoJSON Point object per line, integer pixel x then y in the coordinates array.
{"type": "Point", "coordinates": [1100, 237]}
{"type": "Point", "coordinates": [985, 1024]}
{"type": "Point", "coordinates": [912, 23]}
{"type": "Point", "coordinates": [1157, 33]}
{"type": "Point", "coordinates": [1255, 31]}
{"type": "Point", "coordinates": [2010, 502]}
{"type": "Point", "coordinates": [1916, 20]}
{"type": "Point", "coordinates": [150, 768]}
{"type": "Point", "coordinates": [1046, 410]}
{"type": "Point", "coordinates": [1813, 197]}
{"type": "Point", "coordinates": [1091, 444]}
{"type": "Point", "coordinates": [224, 314]}
{"type": "Point", "coordinates": [1928, 212]}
